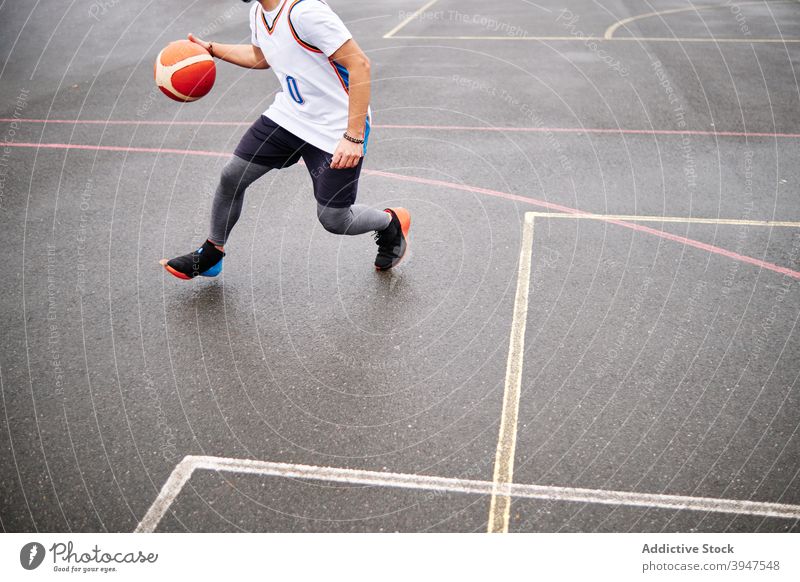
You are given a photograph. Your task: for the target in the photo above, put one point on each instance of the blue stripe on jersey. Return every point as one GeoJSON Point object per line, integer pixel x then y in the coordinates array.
{"type": "Point", "coordinates": [366, 136]}
{"type": "Point", "coordinates": [343, 73]}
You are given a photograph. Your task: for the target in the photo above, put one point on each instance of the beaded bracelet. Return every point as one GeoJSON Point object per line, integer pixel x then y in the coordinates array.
{"type": "Point", "coordinates": [352, 139]}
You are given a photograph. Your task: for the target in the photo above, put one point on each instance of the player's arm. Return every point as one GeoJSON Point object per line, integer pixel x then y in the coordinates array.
{"type": "Point", "coordinates": [248, 56]}
{"type": "Point", "coordinates": [352, 58]}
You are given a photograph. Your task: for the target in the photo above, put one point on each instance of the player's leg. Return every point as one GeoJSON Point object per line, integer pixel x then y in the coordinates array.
{"type": "Point", "coordinates": [226, 208]}
{"type": "Point", "coordinates": [336, 191]}
{"type": "Point", "coordinates": [352, 220]}
{"type": "Point", "coordinates": [236, 177]}
{"type": "Point", "coordinates": [263, 147]}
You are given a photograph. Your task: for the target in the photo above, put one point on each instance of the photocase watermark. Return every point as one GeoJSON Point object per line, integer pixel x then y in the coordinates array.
{"type": "Point", "coordinates": [215, 24]}
{"type": "Point", "coordinates": [744, 230]}
{"type": "Point", "coordinates": [364, 362]}
{"type": "Point", "coordinates": [678, 341]}
{"type": "Point", "coordinates": [687, 149]}
{"type": "Point", "coordinates": [487, 22]}
{"type": "Point", "coordinates": [143, 108]}
{"type": "Point", "coordinates": [167, 447]}
{"type": "Point", "coordinates": [741, 20]}
{"type": "Point", "coordinates": [547, 258]}
{"type": "Point", "coordinates": [525, 110]}
{"type": "Point", "coordinates": [471, 473]}
{"type": "Point", "coordinates": [66, 558]}
{"type": "Point", "coordinates": [54, 269]}
{"type": "Point", "coordinates": [31, 555]}
{"type": "Point", "coordinates": [569, 21]}
{"type": "Point", "coordinates": [81, 267]}
{"type": "Point", "coordinates": [100, 8]}
{"type": "Point", "coordinates": [201, 228]}
{"type": "Point", "coordinates": [10, 137]}
{"type": "Point", "coordinates": [623, 335]}
{"type": "Point", "coordinates": [761, 334]}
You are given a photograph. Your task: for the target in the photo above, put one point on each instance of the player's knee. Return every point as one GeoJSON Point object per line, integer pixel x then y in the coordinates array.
{"type": "Point", "coordinates": [231, 178]}
{"type": "Point", "coordinates": [335, 220]}
{"type": "Point", "coordinates": [228, 179]}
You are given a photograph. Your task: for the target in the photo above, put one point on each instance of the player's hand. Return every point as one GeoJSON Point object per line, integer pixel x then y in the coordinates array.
{"type": "Point", "coordinates": [347, 155]}
{"type": "Point", "coordinates": [200, 41]}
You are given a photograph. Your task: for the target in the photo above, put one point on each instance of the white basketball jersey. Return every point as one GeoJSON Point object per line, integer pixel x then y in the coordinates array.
{"type": "Point", "coordinates": [297, 39]}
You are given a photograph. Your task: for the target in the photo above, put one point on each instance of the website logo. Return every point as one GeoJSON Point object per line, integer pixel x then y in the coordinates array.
{"type": "Point", "coordinates": [31, 555]}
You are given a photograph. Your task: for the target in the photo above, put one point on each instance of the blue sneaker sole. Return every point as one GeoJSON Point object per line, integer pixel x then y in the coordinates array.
{"type": "Point", "coordinates": [213, 271]}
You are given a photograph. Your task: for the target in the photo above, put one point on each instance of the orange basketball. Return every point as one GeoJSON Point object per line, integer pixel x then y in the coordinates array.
{"type": "Point", "coordinates": [184, 71]}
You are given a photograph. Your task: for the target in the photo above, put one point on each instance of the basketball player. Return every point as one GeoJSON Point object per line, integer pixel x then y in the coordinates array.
{"type": "Point", "coordinates": [321, 116]}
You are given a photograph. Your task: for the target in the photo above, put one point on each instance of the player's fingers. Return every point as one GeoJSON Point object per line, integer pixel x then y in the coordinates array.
{"type": "Point", "coordinates": [199, 41]}
{"type": "Point", "coordinates": [336, 161]}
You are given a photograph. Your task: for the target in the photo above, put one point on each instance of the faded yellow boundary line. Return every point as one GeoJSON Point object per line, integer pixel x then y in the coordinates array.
{"type": "Point", "coordinates": [678, 219]}
{"type": "Point", "coordinates": [403, 24]}
{"type": "Point", "coordinates": [609, 34]}
{"type": "Point", "coordinates": [503, 477]}
{"type": "Point", "coordinates": [500, 507]}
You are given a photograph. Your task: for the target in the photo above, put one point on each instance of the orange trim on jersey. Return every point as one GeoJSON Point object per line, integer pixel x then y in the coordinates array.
{"type": "Point", "coordinates": [274, 22]}
{"type": "Point", "coordinates": [299, 40]}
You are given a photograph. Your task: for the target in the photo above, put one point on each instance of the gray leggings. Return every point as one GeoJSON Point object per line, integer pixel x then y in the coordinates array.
{"type": "Point", "coordinates": [238, 174]}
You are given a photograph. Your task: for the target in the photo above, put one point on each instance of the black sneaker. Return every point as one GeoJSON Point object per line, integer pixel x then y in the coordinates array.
{"type": "Point", "coordinates": [205, 261]}
{"type": "Point", "coordinates": [393, 240]}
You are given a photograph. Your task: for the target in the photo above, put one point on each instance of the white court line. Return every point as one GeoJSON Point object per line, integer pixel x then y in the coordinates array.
{"type": "Point", "coordinates": [177, 479]}
{"type": "Point", "coordinates": [679, 219]}
{"type": "Point", "coordinates": [181, 474]}
{"type": "Point", "coordinates": [507, 440]}
{"type": "Point", "coordinates": [501, 488]}
{"type": "Point", "coordinates": [402, 25]}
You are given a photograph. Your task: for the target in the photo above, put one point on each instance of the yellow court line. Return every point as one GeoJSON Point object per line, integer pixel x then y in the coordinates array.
{"type": "Point", "coordinates": [500, 507]}
{"type": "Point", "coordinates": [609, 34]}
{"type": "Point", "coordinates": [743, 40]}
{"type": "Point", "coordinates": [503, 477]}
{"type": "Point", "coordinates": [403, 24]}
{"type": "Point", "coordinates": [678, 219]}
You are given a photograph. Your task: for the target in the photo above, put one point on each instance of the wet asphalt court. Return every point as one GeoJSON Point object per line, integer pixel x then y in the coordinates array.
{"type": "Point", "coordinates": [659, 357]}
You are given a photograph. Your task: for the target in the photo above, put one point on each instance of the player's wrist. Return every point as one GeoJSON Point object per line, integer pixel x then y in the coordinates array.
{"type": "Point", "coordinates": [354, 136]}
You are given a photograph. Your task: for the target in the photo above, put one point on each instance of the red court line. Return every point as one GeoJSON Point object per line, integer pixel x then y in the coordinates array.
{"type": "Point", "coordinates": [566, 209]}
{"type": "Point", "coordinates": [595, 130]}
{"type": "Point", "coordinates": [122, 122]}
{"type": "Point", "coordinates": [453, 186]}
{"type": "Point", "coordinates": [96, 148]}
{"type": "Point", "coordinates": [573, 130]}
